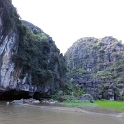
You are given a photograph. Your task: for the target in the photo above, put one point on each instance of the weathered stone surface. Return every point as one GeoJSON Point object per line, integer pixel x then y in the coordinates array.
{"type": "Point", "coordinates": [98, 65]}
{"type": "Point", "coordinates": [19, 77]}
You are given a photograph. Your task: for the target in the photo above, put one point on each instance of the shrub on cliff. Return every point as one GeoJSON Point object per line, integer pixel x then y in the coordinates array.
{"type": "Point", "coordinates": [97, 65]}
{"type": "Point", "coordinates": [10, 17]}
{"type": "Point", "coordinates": [34, 55]}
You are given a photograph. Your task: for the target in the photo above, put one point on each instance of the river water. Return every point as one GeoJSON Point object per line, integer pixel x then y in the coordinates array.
{"type": "Point", "coordinates": [25, 114]}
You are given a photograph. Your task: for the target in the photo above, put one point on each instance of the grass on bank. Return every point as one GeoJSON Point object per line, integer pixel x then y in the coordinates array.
{"type": "Point", "coordinates": [77, 103]}
{"type": "Point", "coordinates": [114, 105]}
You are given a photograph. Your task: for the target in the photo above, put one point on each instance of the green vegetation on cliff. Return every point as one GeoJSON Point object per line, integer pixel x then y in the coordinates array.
{"type": "Point", "coordinates": [37, 54]}
{"type": "Point", "coordinates": [97, 66]}
{"type": "Point", "coordinates": [10, 17]}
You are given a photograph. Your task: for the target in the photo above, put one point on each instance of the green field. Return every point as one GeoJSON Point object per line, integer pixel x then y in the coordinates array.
{"type": "Point", "coordinates": [116, 105]}
{"type": "Point", "coordinates": [112, 105]}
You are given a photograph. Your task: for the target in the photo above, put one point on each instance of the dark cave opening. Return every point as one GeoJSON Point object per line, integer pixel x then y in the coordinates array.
{"type": "Point", "coordinates": [17, 95]}
{"type": "Point", "coordinates": [14, 95]}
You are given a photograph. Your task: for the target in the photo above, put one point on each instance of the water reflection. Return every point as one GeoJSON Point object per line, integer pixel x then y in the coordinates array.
{"type": "Point", "coordinates": [10, 114]}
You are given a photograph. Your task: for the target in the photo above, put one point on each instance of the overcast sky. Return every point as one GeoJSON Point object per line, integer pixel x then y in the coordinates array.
{"type": "Point", "coordinates": [69, 20]}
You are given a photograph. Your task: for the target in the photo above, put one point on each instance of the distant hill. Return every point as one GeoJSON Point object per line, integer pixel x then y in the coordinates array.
{"type": "Point", "coordinates": [97, 66]}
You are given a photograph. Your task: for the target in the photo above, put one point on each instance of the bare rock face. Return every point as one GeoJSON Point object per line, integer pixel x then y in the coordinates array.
{"type": "Point", "coordinates": [97, 66]}
{"type": "Point", "coordinates": [7, 66]}
{"type": "Point", "coordinates": [29, 58]}
{"type": "Point", "coordinates": [8, 43]}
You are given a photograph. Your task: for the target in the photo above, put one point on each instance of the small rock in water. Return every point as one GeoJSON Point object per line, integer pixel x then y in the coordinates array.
{"type": "Point", "coordinates": [7, 103]}
{"type": "Point", "coordinates": [36, 101]}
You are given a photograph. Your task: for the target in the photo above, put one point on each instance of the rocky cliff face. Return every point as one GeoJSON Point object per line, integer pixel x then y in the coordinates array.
{"type": "Point", "coordinates": [29, 58]}
{"type": "Point", "coordinates": [97, 66]}
{"type": "Point", "coordinates": [8, 43]}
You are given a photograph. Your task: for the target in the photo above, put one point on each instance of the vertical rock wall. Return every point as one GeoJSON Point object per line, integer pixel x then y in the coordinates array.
{"type": "Point", "coordinates": [35, 51]}
{"type": "Point", "coordinates": [97, 66]}
{"type": "Point", "coordinates": [7, 50]}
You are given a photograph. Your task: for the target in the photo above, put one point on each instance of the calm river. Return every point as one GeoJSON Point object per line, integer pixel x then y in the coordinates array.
{"type": "Point", "coordinates": [24, 114]}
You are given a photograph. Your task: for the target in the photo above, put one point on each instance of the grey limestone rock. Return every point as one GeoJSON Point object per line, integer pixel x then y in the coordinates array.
{"type": "Point", "coordinates": [98, 65]}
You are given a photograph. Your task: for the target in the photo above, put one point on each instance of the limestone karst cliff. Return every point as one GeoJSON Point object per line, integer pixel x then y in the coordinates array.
{"type": "Point", "coordinates": [31, 63]}
{"type": "Point", "coordinates": [97, 66]}
{"type": "Point", "coordinates": [29, 58]}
